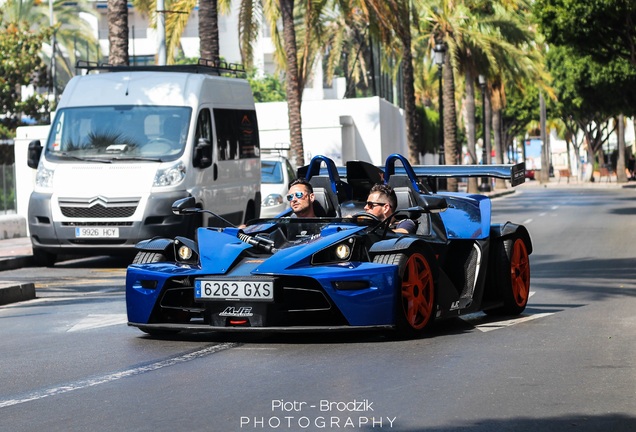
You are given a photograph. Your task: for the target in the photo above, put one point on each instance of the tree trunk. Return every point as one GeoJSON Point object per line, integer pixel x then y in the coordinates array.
{"type": "Point", "coordinates": [117, 16]}
{"type": "Point", "coordinates": [500, 184]}
{"type": "Point", "coordinates": [292, 82]}
{"type": "Point", "coordinates": [621, 176]}
{"type": "Point", "coordinates": [209, 29]}
{"type": "Point", "coordinates": [451, 154]}
{"type": "Point", "coordinates": [469, 121]}
{"type": "Point", "coordinates": [488, 132]}
{"type": "Point", "coordinates": [544, 175]}
{"type": "Point", "coordinates": [410, 113]}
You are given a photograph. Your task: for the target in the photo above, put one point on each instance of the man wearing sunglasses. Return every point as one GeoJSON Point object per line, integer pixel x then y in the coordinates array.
{"type": "Point", "coordinates": [382, 203]}
{"type": "Point", "coordinates": [301, 198]}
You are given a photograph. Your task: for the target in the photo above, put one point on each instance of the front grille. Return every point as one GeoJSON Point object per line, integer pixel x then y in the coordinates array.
{"type": "Point", "coordinates": [98, 207]}
{"type": "Point", "coordinates": [298, 301]}
{"type": "Point", "coordinates": [100, 224]}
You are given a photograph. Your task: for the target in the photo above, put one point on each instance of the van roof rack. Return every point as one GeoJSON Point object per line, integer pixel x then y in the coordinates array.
{"type": "Point", "coordinates": [204, 66]}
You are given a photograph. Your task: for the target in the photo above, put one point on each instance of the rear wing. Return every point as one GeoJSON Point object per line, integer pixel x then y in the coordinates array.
{"type": "Point", "coordinates": [515, 173]}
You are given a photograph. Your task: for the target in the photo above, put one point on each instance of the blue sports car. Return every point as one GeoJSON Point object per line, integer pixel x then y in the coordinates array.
{"type": "Point", "coordinates": [344, 269]}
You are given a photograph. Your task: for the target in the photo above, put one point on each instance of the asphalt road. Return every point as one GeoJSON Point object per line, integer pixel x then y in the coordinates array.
{"type": "Point", "coordinates": [69, 362]}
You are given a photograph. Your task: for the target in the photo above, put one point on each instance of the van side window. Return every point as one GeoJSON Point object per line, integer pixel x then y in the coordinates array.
{"type": "Point", "coordinates": [236, 134]}
{"type": "Point", "coordinates": [204, 126]}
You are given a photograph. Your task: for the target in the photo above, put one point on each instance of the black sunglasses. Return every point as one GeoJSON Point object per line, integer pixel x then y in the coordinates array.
{"type": "Point", "coordinates": [372, 204]}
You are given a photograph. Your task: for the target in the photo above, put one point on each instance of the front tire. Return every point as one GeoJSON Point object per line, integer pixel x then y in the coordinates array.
{"type": "Point", "coordinates": [144, 257]}
{"type": "Point", "coordinates": [415, 309]}
{"type": "Point", "coordinates": [43, 258]}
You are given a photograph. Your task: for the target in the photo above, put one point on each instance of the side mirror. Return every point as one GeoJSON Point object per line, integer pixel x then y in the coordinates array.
{"type": "Point", "coordinates": [185, 206]}
{"type": "Point", "coordinates": [434, 203]}
{"type": "Point", "coordinates": [202, 154]}
{"type": "Point", "coordinates": [34, 153]}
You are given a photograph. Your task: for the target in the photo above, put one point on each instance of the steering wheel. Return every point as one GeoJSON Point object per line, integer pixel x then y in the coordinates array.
{"type": "Point", "coordinates": [159, 140]}
{"type": "Point", "coordinates": [364, 215]}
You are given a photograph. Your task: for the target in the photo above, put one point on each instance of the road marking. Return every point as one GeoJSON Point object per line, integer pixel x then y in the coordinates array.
{"type": "Point", "coordinates": [496, 325]}
{"type": "Point", "coordinates": [99, 320]}
{"type": "Point", "coordinates": [79, 385]}
{"type": "Point", "coordinates": [526, 222]}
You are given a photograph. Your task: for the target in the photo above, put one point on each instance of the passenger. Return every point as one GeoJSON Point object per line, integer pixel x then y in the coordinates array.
{"type": "Point", "coordinates": [382, 203]}
{"type": "Point", "coordinates": [301, 198]}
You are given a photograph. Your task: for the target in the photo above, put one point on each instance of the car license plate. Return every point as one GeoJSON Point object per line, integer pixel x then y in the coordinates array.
{"type": "Point", "coordinates": [257, 289]}
{"type": "Point", "coordinates": [96, 232]}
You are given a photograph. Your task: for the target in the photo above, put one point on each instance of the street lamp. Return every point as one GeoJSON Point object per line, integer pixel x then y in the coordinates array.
{"type": "Point", "coordinates": [485, 183]}
{"type": "Point", "coordinates": [439, 53]}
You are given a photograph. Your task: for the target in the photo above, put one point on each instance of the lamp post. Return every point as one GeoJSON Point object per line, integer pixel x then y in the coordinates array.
{"type": "Point", "coordinates": [485, 183]}
{"type": "Point", "coordinates": [439, 53]}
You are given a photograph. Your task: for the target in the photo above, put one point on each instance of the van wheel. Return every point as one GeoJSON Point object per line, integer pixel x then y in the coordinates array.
{"type": "Point", "coordinates": [43, 258]}
{"type": "Point", "coordinates": [148, 258]}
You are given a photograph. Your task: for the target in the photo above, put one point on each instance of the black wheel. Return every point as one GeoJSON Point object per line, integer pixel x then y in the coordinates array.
{"type": "Point", "coordinates": [415, 309]}
{"type": "Point", "coordinates": [512, 276]}
{"type": "Point", "coordinates": [43, 258]}
{"type": "Point", "coordinates": [148, 258]}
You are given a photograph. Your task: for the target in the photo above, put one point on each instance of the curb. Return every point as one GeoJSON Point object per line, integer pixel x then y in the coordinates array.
{"type": "Point", "coordinates": [16, 262]}
{"type": "Point", "coordinates": [16, 293]}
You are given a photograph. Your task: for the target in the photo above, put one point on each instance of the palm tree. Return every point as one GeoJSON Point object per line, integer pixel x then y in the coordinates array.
{"type": "Point", "coordinates": [393, 19]}
{"type": "Point", "coordinates": [69, 29]}
{"type": "Point", "coordinates": [118, 32]}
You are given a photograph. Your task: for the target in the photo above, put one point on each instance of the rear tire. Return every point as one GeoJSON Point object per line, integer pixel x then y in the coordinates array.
{"type": "Point", "coordinates": [144, 257]}
{"type": "Point", "coordinates": [415, 308]}
{"type": "Point", "coordinates": [512, 276]}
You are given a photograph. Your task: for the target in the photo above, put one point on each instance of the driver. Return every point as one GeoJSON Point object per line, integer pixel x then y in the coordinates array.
{"type": "Point", "coordinates": [301, 199]}
{"type": "Point", "coordinates": [382, 203]}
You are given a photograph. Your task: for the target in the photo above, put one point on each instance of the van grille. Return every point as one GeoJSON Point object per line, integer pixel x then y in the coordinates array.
{"type": "Point", "coordinates": [98, 207]}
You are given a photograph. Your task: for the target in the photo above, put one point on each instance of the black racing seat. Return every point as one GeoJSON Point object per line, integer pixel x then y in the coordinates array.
{"type": "Point", "coordinates": [325, 196]}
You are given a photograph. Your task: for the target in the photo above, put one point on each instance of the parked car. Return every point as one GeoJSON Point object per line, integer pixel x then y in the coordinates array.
{"type": "Point", "coordinates": [346, 270]}
{"type": "Point", "coordinates": [276, 175]}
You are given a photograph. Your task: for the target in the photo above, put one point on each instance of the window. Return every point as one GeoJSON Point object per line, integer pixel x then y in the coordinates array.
{"type": "Point", "coordinates": [236, 134]}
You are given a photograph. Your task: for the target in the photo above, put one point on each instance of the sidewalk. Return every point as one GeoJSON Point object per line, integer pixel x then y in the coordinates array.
{"type": "Point", "coordinates": [15, 253]}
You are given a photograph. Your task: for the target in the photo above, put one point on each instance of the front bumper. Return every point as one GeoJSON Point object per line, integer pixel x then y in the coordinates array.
{"type": "Point", "coordinates": [165, 300]}
{"type": "Point", "coordinates": [59, 237]}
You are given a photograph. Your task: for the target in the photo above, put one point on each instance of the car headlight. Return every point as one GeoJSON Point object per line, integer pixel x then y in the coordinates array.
{"type": "Point", "coordinates": [272, 200]}
{"type": "Point", "coordinates": [170, 176]}
{"type": "Point", "coordinates": [185, 251]}
{"type": "Point", "coordinates": [343, 251]}
{"type": "Point", "coordinates": [44, 177]}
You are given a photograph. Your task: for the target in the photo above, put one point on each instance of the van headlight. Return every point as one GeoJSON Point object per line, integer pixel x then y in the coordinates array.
{"type": "Point", "coordinates": [44, 177]}
{"type": "Point", "coordinates": [170, 176]}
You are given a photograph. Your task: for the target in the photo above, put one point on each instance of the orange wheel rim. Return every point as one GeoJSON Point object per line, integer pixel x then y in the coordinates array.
{"type": "Point", "coordinates": [417, 291]}
{"type": "Point", "coordinates": [520, 273]}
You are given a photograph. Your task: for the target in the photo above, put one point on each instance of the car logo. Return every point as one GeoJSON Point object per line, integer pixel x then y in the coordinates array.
{"type": "Point", "coordinates": [231, 311]}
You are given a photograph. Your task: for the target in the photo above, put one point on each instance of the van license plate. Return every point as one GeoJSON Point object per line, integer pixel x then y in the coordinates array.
{"type": "Point", "coordinates": [96, 232]}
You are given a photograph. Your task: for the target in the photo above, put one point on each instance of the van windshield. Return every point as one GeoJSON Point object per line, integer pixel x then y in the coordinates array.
{"type": "Point", "coordinates": [122, 132]}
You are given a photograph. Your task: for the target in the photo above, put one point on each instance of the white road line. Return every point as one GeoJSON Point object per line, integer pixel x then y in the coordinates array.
{"type": "Point", "coordinates": [78, 385]}
{"type": "Point", "coordinates": [496, 325]}
{"type": "Point", "coordinates": [99, 320]}
{"type": "Point", "coordinates": [526, 222]}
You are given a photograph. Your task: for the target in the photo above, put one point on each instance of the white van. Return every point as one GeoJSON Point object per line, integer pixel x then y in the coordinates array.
{"type": "Point", "coordinates": [127, 142]}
